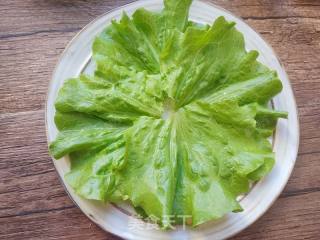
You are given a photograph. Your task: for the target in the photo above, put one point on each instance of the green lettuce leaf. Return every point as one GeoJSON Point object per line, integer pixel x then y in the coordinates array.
{"type": "Point", "coordinates": [151, 152]}
{"type": "Point", "coordinates": [219, 147]}
{"type": "Point", "coordinates": [210, 59]}
{"type": "Point", "coordinates": [121, 102]}
{"type": "Point", "coordinates": [175, 118]}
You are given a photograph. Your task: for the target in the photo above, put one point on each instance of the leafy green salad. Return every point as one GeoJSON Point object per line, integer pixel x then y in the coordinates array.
{"type": "Point", "coordinates": [174, 119]}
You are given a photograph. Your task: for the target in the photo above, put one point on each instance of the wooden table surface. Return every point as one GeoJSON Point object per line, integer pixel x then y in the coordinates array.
{"type": "Point", "coordinates": [33, 33]}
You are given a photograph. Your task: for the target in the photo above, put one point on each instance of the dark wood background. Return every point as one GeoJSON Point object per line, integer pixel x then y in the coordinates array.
{"type": "Point", "coordinates": [33, 33]}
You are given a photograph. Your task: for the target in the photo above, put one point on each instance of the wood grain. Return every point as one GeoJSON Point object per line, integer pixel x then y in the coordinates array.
{"type": "Point", "coordinates": [33, 203]}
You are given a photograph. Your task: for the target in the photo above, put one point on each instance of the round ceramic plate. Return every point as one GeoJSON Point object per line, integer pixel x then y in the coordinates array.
{"type": "Point", "coordinates": [119, 220]}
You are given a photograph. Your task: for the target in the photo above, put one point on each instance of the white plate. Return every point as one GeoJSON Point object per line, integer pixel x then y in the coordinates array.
{"type": "Point", "coordinates": [77, 58]}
